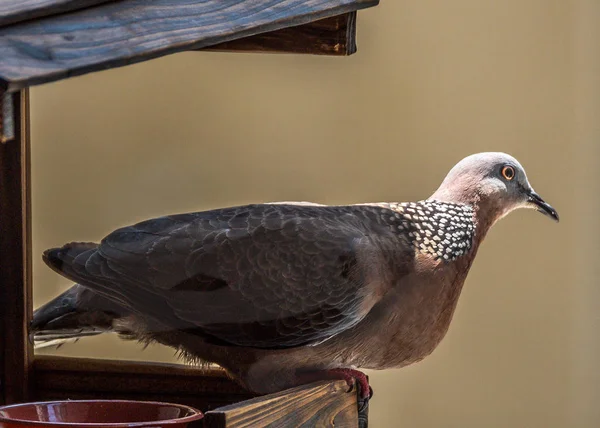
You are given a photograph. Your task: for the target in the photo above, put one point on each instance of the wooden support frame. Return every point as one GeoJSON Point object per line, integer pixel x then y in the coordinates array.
{"type": "Point", "coordinates": [319, 404]}
{"type": "Point", "coordinates": [39, 42]}
{"type": "Point", "coordinates": [16, 352]}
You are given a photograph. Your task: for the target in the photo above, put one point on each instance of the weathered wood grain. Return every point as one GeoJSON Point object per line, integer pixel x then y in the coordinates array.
{"type": "Point", "coordinates": [129, 31]}
{"type": "Point", "coordinates": [321, 404]}
{"type": "Point", "coordinates": [7, 117]}
{"type": "Point", "coordinates": [80, 378]}
{"type": "Point", "coordinates": [15, 258]}
{"type": "Point", "coordinates": [329, 36]}
{"type": "Point", "coordinates": [12, 11]}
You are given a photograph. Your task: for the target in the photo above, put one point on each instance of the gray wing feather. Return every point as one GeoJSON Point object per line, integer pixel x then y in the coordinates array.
{"type": "Point", "coordinates": [267, 276]}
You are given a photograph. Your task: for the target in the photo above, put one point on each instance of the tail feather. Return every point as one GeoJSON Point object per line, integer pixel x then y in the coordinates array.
{"type": "Point", "coordinates": [76, 313]}
{"type": "Point", "coordinates": [63, 260]}
{"type": "Point", "coordinates": [57, 338]}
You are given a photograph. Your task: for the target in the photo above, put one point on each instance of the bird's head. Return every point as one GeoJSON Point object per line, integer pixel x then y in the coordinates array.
{"type": "Point", "coordinates": [495, 182]}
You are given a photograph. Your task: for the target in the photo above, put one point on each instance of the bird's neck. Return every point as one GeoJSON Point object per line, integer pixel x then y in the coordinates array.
{"type": "Point", "coordinates": [485, 211]}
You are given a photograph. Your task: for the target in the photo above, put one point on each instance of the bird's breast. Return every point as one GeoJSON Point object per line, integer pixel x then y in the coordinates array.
{"type": "Point", "coordinates": [410, 322]}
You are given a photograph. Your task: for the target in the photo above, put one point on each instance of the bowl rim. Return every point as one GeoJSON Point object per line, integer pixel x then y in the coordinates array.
{"type": "Point", "coordinates": [196, 414]}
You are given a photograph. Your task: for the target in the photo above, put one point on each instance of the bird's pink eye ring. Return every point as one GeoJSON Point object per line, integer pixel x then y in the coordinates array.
{"type": "Point", "coordinates": [508, 172]}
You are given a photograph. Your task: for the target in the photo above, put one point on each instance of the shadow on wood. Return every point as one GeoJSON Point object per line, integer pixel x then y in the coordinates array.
{"type": "Point", "coordinates": [58, 378]}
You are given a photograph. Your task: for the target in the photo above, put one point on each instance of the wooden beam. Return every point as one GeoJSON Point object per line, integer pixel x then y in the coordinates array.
{"type": "Point", "coordinates": [125, 32]}
{"type": "Point", "coordinates": [321, 404]}
{"type": "Point", "coordinates": [15, 257]}
{"type": "Point", "coordinates": [81, 378]}
{"type": "Point", "coordinates": [12, 11]}
{"type": "Point", "coordinates": [329, 36]}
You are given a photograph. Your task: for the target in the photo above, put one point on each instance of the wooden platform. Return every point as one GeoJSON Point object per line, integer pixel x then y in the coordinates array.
{"type": "Point", "coordinates": [320, 404]}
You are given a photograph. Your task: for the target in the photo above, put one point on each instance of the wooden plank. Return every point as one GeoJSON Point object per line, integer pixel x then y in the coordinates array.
{"type": "Point", "coordinates": [12, 11]}
{"type": "Point", "coordinates": [322, 404]}
{"type": "Point", "coordinates": [329, 36]}
{"type": "Point", "coordinates": [15, 258]}
{"type": "Point", "coordinates": [130, 31]}
{"type": "Point", "coordinates": [80, 378]}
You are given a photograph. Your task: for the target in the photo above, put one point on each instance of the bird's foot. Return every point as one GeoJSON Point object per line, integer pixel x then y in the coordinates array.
{"type": "Point", "coordinates": [353, 378]}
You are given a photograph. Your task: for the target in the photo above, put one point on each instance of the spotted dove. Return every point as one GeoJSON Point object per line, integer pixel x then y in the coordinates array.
{"type": "Point", "coordinates": [284, 293]}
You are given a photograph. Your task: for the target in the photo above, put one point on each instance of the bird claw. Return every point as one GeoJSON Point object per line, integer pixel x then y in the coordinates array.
{"type": "Point", "coordinates": [354, 379]}
{"type": "Point", "coordinates": [362, 402]}
{"type": "Point", "coordinates": [358, 380]}
{"type": "Point", "coordinates": [363, 412]}
{"type": "Point", "coordinates": [364, 395]}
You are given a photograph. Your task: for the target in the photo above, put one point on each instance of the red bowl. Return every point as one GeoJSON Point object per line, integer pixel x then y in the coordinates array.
{"type": "Point", "coordinates": [97, 414]}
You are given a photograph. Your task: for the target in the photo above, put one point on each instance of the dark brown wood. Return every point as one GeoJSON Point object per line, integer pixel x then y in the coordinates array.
{"type": "Point", "coordinates": [329, 36]}
{"type": "Point", "coordinates": [12, 11]}
{"type": "Point", "coordinates": [321, 404]}
{"type": "Point", "coordinates": [79, 378]}
{"type": "Point", "coordinates": [129, 31]}
{"type": "Point", "coordinates": [15, 258]}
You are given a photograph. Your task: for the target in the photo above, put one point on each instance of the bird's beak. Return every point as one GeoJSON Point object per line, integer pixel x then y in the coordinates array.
{"type": "Point", "coordinates": [542, 206]}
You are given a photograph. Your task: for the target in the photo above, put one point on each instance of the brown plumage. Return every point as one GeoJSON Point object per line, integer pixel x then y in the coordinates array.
{"type": "Point", "coordinates": [279, 294]}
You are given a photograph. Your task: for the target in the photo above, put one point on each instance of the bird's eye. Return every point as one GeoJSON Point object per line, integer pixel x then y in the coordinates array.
{"type": "Point", "coordinates": [508, 172]}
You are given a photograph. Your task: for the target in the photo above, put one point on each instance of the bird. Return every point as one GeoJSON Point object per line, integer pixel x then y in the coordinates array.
{"type": "Point", "coordinates": [282, 294]}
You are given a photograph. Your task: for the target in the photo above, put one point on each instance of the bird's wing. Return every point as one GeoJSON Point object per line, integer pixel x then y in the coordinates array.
{"type": "Point", "coordinates": [266, 276]}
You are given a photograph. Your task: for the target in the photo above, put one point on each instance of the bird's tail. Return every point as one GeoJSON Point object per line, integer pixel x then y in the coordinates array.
{"type": "Point", "coordinates": [76, 313]}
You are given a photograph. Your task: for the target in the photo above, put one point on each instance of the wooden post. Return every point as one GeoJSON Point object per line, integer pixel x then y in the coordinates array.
{"type": "Point", "coordinates": [15, 256]}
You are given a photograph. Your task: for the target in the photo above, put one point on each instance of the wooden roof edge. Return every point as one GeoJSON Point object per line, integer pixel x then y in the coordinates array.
{"type": "Point", "coordinates": [113, 34]}
{"type": "Point", "coordinates": [335, 36]}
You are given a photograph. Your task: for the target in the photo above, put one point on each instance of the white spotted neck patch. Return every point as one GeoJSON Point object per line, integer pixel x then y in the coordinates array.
{"type": "Point", "coordinates": [440, 229]}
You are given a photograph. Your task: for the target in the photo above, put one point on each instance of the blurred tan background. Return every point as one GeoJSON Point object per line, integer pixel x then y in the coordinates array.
{"type": "Point", "coordinates": [433, 81]}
